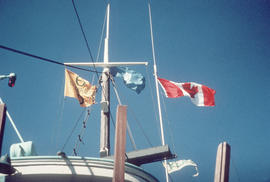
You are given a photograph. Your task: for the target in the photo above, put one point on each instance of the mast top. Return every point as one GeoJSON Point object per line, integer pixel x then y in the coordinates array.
{"type": "Point", "coordinates": [106, 64]}
{"type": "Point", "coordinates": [106, 41]}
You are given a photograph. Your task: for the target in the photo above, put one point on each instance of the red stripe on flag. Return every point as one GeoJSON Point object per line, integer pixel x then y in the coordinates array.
{"type": "Point", "coordinates": [209, 96]}
{"type": "Point", "coordinates": [171, 89]}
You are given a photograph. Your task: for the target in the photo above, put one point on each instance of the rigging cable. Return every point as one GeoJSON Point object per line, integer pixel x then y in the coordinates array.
{"type": "Point", "coordinates": [44, 59]}
{"type": "Point", "coordinates": [235, 169]}
{"type": "Point", "coordinates": [59, 121]}
{"type": "Point", "coordinates": [80, 136]}
{"type": "Point", "coordinates": [139, 124]}
{"type": "Point", "coordinates": [137, 121]}
{"type": "Point", "coordinates": [82, 30]}
{"type": "Point", "coordinates": [84, 36]}
{"type": "Point", "coordinates": [90, 53]}
{"type": "Point", "coordinates": [169, 123]}
{"type": "Point", "coordinates": [152, 95]}
{"type": "Point", "coordinates": [100, 42]}
{"type": "Point", "coordinates": [119, 101]}
{"type": "Point", "coordinates": [73, 129]}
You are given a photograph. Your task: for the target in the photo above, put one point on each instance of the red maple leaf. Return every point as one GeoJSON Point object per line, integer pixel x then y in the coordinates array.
{"type": "Point", "coordinates": [192, 91]}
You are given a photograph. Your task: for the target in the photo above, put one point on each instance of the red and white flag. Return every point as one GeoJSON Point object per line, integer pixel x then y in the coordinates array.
{"type": "Point", "coordinates": [199, 94]}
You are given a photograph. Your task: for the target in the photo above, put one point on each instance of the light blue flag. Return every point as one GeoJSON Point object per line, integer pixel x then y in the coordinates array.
{"type": "Point", "coordinates": [132, 79]}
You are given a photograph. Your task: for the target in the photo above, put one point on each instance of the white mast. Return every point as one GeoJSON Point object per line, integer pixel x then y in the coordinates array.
{"type": "Point", "coordinates": [105, 97]}
{"type": "Point", "coordinates": [157, 91]}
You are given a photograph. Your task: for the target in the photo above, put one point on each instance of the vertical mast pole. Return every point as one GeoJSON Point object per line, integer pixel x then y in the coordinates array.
{"type": "Point", "coordinates": [105, 97]}
{"type": "Point", "coordinates": [157, 91]}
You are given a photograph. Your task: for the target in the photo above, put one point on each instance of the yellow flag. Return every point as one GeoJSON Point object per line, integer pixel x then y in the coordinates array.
{"type": "Point", "coordinates": [79, 88]}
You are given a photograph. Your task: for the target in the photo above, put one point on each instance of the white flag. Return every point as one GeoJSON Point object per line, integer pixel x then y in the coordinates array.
{"type": "Point", "coordinates": [178, 165]}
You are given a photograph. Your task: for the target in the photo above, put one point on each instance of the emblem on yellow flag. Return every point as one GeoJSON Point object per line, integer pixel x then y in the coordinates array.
{"type": "Point", "coordinates": [79, 88]}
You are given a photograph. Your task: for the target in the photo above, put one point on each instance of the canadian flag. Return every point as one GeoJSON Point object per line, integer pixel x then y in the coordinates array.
{"type": "Point", "coordinates": [199, 94]}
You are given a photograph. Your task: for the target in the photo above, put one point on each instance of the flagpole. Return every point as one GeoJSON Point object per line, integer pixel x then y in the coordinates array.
{"type": "Point", "coordinates": [157, 91]}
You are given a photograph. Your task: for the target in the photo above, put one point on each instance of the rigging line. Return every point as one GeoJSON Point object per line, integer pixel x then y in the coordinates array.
{"type": "Point", "coordinates": [153, 100]}
{"type": "Point", "coordinates": [61, 102]}
{"type": "Point", "coordinates": [82, 30]}
{"type": "Point", "coordinates": [87, 115]}
{"type": "Point", "coordinates": [169, 126]}
{"type": "Point", "coordinates": [170, 178]}
{"type": "Point", "coordinates": [169, 123]}
{"type": "Point", "coordinates": [137, 121]}
{"type": "Point", "coordinates": [100, 42]}
{"type": "Point", "coordinates": [44, 59]}
{"type": "Point", "coordinates": [128, 128]}
{"type": "Point", "coordinates": [84, 36]}
{"type": "Point", "coordinates": [80, 136]}
{"type": "Point", "coordinates": [108, 2]}
{"type": "Point", "coordinates": [144, 133]}
{"type": "Point", "coordinates": [140, 126]}
{"type": "Point", "coordinates": [74, 127]}
{"type": "Point", "coordinates": [236, 170]}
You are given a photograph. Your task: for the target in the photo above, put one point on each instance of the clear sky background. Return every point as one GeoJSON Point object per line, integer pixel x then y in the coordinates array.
{"type": "Point", "coordinates": [221, 44]}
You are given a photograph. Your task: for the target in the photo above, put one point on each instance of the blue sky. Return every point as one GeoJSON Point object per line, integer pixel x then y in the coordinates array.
{"type": "Point", "coordinates": [221, 44]}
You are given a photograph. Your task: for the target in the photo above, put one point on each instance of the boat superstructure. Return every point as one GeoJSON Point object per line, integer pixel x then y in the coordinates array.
{"type": "Point", "coordinates": [58, 168]}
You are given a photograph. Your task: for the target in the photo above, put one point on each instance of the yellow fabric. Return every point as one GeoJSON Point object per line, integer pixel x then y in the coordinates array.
{"type": "Point", "coordinates": [79, 88]}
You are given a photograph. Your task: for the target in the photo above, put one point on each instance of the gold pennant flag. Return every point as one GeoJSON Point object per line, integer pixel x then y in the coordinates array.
{"type": "Point", "coordinates": [79, 88]}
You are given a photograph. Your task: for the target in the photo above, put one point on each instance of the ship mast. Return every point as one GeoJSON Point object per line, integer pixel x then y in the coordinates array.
{"type": "Point", "coordinates": [105, 93]}
{"type": "Point", "coordinates": [105, 97]}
